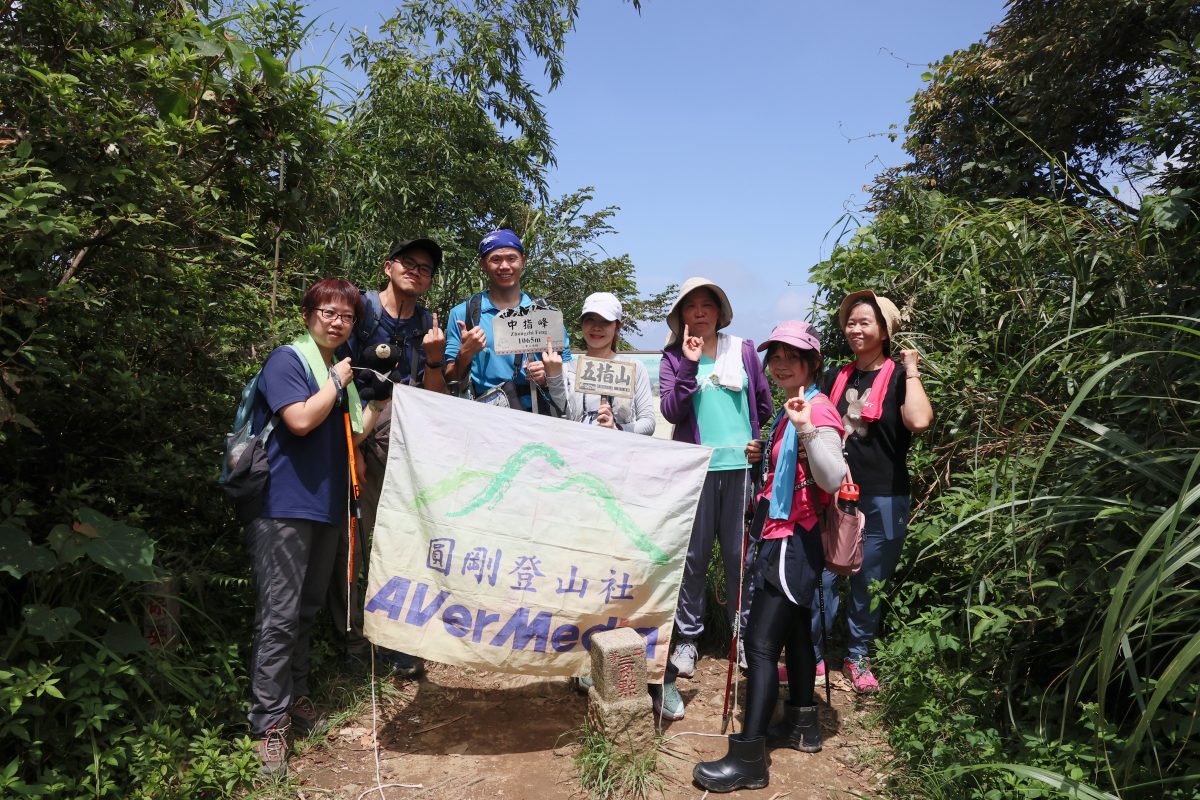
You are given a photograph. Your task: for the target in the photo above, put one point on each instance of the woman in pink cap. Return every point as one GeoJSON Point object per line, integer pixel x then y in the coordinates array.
{"type": "Point", "coordinates": [804, 468]}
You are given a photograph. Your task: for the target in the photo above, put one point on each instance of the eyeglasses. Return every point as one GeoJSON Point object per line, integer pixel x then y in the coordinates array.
{"type": "Point", "coordinates": [329, 314]}
{"type": "Point", "coordinates": [424, 270]}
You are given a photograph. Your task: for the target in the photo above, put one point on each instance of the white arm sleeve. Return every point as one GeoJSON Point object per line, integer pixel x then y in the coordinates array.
{"type": "Point", "coordinates": [560, 388]}
{"type": "Point", "coordinates": [644, 420]}
{"type": "Point", "coordinates": [825, 459]}
{"type": "Point", "coordinates": [575, 408]}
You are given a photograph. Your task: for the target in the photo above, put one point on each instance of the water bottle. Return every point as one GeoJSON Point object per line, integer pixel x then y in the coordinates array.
{"type": "Point", "coordinates": [847, 498]}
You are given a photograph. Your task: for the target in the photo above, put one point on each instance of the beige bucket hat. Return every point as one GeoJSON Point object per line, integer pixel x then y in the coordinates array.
{"type": "Point", "coordinates": [891, 314]}
{"type": "Point", "coordinates": [675, 315]}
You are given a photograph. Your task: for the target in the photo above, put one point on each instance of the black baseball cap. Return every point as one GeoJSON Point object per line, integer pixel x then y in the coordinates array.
{"type": "Point", "coordinates": [428, 245]}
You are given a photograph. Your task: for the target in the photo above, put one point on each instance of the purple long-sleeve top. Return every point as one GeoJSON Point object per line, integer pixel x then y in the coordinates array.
{"type": "Point", "coordinates": [677, 385]}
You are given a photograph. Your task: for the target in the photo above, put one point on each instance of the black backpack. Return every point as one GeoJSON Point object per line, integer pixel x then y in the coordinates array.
{"type": "Point", "coordinates": [373, 318]}
{"type": "Point", "coordinates": [244, 468]}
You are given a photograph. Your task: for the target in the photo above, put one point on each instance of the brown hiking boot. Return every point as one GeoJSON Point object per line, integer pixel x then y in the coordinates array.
{"type": "Point", "coordinates": [304, 717]}
{"type": "Point", "coordinates": [272, 748]}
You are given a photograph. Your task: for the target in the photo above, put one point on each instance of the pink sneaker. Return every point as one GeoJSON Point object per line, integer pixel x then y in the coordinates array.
{"type": "Point", "coordinates": [860, 676]}
{"type": "Point", "coordinates": [783, 676]}
{"type": "Point", "coordinates": [821, 669]}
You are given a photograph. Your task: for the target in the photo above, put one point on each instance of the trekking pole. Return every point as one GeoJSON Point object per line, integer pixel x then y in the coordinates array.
{"type": "Point", "coordinates": [353, 518]}
{"type": "Point", "coordinates": [824, 635]}
{"type": "Point", "coordinates": [737, 625]}
{"type": "Point", "coordinates": [749, 533]}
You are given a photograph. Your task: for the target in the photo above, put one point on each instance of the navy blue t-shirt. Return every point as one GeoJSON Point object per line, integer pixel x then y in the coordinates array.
{"type": "Point", "coordinates": [407, 332]}
{"type": "Point", "coordinates": [308, 473]}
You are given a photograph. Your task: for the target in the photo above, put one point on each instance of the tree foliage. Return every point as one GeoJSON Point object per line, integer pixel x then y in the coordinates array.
{"type": "Point", "coordinates": [170, 181]}
{"type": "Point", "coordinates": [1057, 99]}
{"type": "Point", "coordinates": [1044, 624]}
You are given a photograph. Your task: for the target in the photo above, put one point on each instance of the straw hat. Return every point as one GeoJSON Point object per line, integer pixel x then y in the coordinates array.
{"type": "Point", "coordinates": [891, 314]}
{"type": "Point", "coordinates": [675, 315]}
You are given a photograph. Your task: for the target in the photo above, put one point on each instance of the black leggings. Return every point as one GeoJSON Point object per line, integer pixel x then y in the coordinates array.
{"type": "Point", "coordinates": [776, 623]}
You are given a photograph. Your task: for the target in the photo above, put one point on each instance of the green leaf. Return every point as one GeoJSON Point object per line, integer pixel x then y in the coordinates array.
{"type": "Point", "coordinates": [170, 102]}
{"type": "Point", "coordinates": [272, 68]}
{"type": "Point", "coordinates": [18, 555]}
{"type": "Point", "coordinates": [209, 48]}
{"type": "Point", "coordinates": [24, 149]}
{"type": "Point", "coordinates": [69, 545]}
{"type": "Point", "coordinates": [117, 546]}
{"type": "Point", "coordinates": [51, 624]}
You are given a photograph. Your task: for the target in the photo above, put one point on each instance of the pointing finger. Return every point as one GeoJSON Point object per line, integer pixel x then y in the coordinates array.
{"type": "Point", "coordinates": [462, 326]}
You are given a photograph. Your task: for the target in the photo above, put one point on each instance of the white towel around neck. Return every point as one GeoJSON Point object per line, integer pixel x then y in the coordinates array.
{"type": "Point", "coordinates": [728, 369]}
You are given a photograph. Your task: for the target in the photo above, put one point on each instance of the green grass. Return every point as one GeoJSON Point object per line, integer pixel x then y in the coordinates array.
{"type": "Point", "coordinates": [607, 770]}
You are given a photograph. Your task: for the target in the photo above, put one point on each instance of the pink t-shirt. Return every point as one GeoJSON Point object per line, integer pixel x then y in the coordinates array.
{"type": "Point", "coordinates": [824, 415]}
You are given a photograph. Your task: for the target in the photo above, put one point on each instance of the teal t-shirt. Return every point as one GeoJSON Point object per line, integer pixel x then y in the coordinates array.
{"type": "Point", "coordinates": [723, 417]}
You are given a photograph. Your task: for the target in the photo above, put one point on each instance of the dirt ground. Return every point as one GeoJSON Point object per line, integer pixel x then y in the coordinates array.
{"type": "Point", "coordinates": [460, 733]}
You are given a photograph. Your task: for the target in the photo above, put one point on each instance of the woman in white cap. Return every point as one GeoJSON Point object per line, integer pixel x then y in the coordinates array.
{"type": "Point", "coordinates": [805, 467]}
{"type": "Point", "coordinates": [882, 403]}
{"type": "Point", "coordinates": [715, 393]}
{"type": "Point", "coordinates": [600, 323]}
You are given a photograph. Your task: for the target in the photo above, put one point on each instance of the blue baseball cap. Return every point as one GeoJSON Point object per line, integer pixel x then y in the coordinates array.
{"type": "Point", "coordinates": [497, 239]}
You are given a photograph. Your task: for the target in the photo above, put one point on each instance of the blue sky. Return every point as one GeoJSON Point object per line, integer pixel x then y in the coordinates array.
{"type": "Point", "coordinates": [734, 135]}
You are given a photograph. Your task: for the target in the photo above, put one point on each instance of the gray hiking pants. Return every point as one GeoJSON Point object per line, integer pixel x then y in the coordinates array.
{"type": "Point", "coordinates": [291, 560]}
{"type": "Point", "coordinates": [720, 514]}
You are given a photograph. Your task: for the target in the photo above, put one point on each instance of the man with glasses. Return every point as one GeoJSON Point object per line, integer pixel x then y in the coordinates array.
{"type": "Point", "coordinates": [469, 340]}
{"type": "Point", "coordinates": [393, 317]}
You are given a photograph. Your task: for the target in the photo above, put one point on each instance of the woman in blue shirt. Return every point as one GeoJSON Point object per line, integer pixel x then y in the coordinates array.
{"type": "Point", "coordinates": [293, 541]}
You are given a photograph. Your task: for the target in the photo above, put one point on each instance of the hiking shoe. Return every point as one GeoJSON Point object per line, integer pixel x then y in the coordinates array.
{"type": "Point", "coordinates": [821, 669]}
{"type": "Point", "coordinates": [684, 660]}
{"type": "Point", "coordinates": [668, 702]}
{"type": "Point", "coordinates": [783, 676]}
{"type": "Point", "coordinates": [304, 716]}
{"type": "Point", "coordinates": [271, 749]}
{"type": "Point", "coordinates": [581, 684]}
{"type": "Point", "coordinates": [860, 677]}
{"type": "Point", "coordinates": [402, 664]}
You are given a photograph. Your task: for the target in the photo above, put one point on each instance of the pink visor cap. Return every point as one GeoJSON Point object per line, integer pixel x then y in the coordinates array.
{"type": "Point", "coordinates": [800, 335]}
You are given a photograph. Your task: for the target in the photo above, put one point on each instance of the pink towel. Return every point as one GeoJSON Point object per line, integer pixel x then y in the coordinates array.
{"type": "Point", "coordinates": [873, 407]}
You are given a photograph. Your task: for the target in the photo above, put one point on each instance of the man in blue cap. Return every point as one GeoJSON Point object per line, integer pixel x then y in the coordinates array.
{"type": "Point", "coordinates": [469, 341]}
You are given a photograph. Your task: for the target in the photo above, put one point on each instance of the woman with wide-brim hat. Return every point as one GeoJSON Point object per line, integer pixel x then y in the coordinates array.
{"type": "Point", "coordinates": [882, 403]}
{"type": "Point", "coordinates": [715, 394]}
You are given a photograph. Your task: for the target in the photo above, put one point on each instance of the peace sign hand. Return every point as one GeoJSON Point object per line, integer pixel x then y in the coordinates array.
{"type": "Point", "coordinates": [799, 411]}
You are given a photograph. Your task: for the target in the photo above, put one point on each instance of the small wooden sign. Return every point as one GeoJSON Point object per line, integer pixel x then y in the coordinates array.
{"type": "Point", "coordinates": [525, 330]}
{"type": "Point", "coordinates": [601, 376]}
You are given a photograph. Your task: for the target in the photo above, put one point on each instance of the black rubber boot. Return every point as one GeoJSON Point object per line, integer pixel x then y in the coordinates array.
{"type": "Point", "coordinates": [798, 730]}
{"type": "Point", "coordinates": [743, 767]}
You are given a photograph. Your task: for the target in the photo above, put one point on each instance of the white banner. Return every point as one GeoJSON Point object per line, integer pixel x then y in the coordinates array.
{"type": "Point", "coordinates": [504, 540]}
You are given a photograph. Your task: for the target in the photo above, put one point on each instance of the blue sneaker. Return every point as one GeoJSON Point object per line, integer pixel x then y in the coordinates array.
{"type": "Point", "coordinates": [668, 702]}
